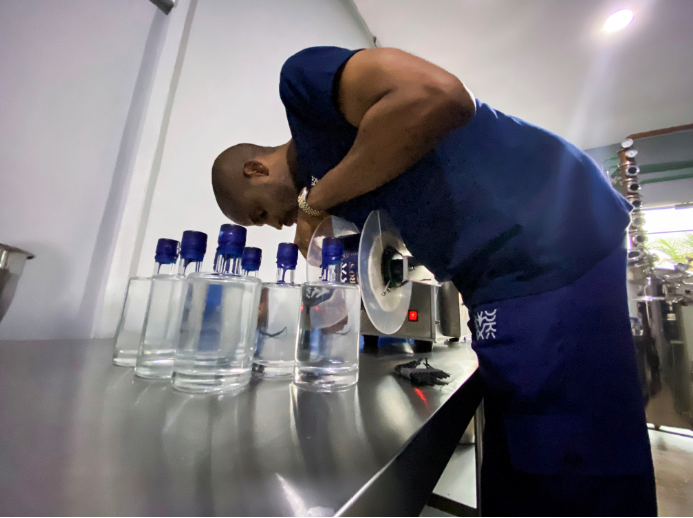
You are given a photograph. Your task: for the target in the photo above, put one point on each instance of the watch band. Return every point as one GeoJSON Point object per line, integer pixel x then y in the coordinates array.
{"type": "Point", "coordinates": [303, 204]}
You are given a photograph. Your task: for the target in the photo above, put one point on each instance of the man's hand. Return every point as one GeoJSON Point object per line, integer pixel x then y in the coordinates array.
{"type": "Point", "coordinates": [305, 227]}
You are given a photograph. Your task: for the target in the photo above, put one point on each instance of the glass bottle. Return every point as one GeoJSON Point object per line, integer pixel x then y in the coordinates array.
{"type": "Point", "coordinates": [277, 326]}
{"type": "Point", "coordinates": [160, 333]}
{"type": "Point", "coordinates": [217, 330]}
{"type": "Point", "coordinates": [131, 322]}
{"type": "Point", "coordinates": [328, 341]}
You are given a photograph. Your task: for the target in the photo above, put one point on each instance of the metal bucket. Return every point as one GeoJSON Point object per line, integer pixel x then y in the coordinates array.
{"type": "Point", "coordinates": [11, 265]}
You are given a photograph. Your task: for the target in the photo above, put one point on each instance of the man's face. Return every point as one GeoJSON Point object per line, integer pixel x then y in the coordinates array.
{"type": "Point", "coordinates": [264, 195]}
{"type": "Point", "coordinates": [271, 200]}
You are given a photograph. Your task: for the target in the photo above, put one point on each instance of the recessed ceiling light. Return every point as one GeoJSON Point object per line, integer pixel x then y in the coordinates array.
{"type": "Point", "coordinates": [618, 20]}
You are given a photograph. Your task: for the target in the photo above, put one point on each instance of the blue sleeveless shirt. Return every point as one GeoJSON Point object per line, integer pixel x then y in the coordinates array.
{"type": "Point", "coordinates": [502, 207]}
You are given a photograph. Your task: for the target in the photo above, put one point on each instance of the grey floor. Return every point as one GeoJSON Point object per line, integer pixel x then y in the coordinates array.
{"type": "Point", "coordinates": [673, 460]}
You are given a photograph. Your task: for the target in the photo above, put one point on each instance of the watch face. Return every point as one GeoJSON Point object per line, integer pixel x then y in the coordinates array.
{"type": "Point", "coordinates": [627, 143]}
{"type": "Point", "coordinates": [631, 153]}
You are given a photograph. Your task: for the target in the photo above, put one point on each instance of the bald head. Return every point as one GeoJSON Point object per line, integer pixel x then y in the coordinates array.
{"type": "Point", "coordinates": [253, 185]}
{"type": "Point", "coordinates": [228, 180]}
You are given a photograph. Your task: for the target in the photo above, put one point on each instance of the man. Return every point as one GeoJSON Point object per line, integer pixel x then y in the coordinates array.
{"type": "Point", "coordinates": [525, 225]}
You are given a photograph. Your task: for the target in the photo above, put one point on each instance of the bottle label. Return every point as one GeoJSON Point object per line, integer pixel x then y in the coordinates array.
{"type": "Point", "coordinates": [350, 268]}
{"type": "Point", "coordinates": [350, 259]}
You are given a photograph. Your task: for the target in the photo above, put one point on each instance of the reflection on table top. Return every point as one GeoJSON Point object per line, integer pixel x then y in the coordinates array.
{"type": "Point", "coordinates": [81, 436]}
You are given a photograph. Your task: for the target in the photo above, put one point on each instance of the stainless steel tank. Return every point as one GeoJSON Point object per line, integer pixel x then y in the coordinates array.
{"type": "Point", "coordinates": [661, 309]}
{"type": "Point", "coordinates": [663, 334]}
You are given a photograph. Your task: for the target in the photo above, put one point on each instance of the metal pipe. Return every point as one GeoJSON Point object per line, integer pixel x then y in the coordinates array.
{"type": "Point", "coordinates": [623, 163]}
{"type": "Point", "coordinates": [656, 168]}
{"type": "Point", "coordinates": [663, 131]}
{"type": "Point", "coordinates": [668, 178]}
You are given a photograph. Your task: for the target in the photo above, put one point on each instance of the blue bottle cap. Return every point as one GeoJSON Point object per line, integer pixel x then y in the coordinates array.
{"type": "Point", "coordinates": [332, 251]}
{"type": "Point", "coordinates": [287, 256]}
{"type": "Point", "coordinates": [166, 251]}
{"type": "Point", "coordinates": [252, 257]}
{"type": "Point", "coordinates": [231, 240]}
{"type": "Point", "coordinates": [193, 245]}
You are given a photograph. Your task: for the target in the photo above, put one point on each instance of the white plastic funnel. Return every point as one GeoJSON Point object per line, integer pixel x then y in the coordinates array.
{"type": "Point", "coordinates": [331, 226]}
{"type": "Point", "coordinates": [387, 307]}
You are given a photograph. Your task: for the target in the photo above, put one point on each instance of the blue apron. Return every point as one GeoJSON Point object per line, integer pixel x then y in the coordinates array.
{"type": "Point", "coordinates": [565, 425]}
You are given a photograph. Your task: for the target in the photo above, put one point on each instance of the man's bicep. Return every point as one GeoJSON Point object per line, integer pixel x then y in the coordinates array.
{"type": "Point", "coordinates": [371, 74]}
{"type": "Point", "coordinates": [361, 85]}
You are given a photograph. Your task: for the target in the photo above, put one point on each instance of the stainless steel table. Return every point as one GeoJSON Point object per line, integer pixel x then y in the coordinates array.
{"type": "Point", "coordinates": [81, 436]}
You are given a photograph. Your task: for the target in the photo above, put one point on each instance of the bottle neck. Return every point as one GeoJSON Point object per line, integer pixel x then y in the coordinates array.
{"type": "Point", "coordinates": [285, 276]}
{"type": "Point", "coordinates": [164, 268]}
{"type": "Point", "coordinates": [249, 273]}
{"type": "Point", "coordinates": [225, 263]}
{"type": "Point", "coordinates": [333, 272]}
{"type": "Point", "coordinates": [186, 266]}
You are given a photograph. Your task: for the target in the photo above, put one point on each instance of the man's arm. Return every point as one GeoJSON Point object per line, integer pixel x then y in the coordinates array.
{"type": "Point", "coordinates": [403, 106]}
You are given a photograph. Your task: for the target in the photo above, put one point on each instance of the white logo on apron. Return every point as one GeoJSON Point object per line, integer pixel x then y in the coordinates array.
{"type": "Point", "coordinates": [485, 323]}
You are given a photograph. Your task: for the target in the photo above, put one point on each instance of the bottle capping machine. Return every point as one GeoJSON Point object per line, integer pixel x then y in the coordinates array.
{"type": "Point", "coordinates": [400, 298]}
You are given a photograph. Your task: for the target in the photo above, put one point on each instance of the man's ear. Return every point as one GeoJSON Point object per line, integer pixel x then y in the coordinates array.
{"type": "Point", "coordinates": [253, 168]}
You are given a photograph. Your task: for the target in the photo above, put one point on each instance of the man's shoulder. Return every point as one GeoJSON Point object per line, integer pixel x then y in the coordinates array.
{"type": "Point", "coordinates": [313, 55]}
{"type": "Point", "coordinates": [307, 82]}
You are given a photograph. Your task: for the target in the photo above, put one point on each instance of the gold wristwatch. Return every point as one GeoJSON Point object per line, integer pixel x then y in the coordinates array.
{"type": "Point", "coordinates": [303, 204]}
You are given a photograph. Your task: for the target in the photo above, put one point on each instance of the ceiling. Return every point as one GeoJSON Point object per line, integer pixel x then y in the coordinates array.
{"type": "Point", "coordinates": [549, 62]}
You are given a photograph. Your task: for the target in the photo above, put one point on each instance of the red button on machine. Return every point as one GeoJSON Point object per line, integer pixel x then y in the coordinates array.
{"type": "Point", "coordinates": [413, 315]}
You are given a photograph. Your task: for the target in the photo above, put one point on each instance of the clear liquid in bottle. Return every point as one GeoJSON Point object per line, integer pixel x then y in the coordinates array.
{"type": "Point", "coordinates": [160, 335]}
{"type": "Point", "coordinates": [132, 319]}
{"type": "Point", "coordinates": [328, 342]}
{"type": "Point", "coordinates": [278, 317]}
{"type": "Point", "coordinates": [218, 323]}
{"type": "Point", "coordinates": [162, 323]}
{"type": "Point", "coordinates": [216, 335]}
{"type": "Point", "coordinates": [132, 322]}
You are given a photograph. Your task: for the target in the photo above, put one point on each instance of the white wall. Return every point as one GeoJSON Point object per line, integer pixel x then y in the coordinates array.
{"type": "Point", "coordinates": [161, 66]}
{"type": "Point", "coordinates": [228, 93]}
{"type": "Point", "coordinates": [110, 117]}
{"type": "Point", "coordinates": [68, 71]}
{"type": "Point", "coordinates": [550, 63]}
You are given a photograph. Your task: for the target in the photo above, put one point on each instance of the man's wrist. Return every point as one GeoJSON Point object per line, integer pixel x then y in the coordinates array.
{"type": "Point", "coordinates": [316, 198]}
{"type": "Point", "coordinates": [307, 207]}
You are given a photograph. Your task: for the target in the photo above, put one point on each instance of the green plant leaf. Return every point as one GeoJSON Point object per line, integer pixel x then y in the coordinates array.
{"type": "Point", "coordinates": [676, 249]}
